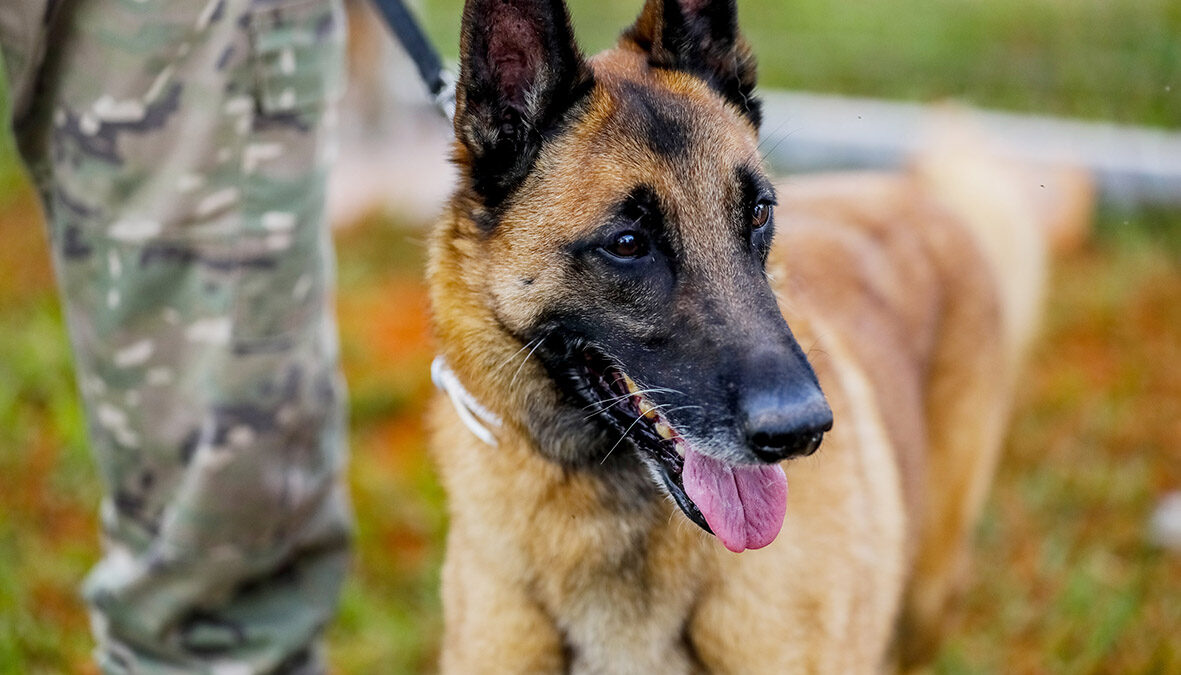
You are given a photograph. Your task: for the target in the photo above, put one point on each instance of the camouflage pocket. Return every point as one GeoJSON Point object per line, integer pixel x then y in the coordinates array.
{"type": "Point", "coordinates": [282, 294]}
{"type": "Point", "coordinates": [298, 54]}
{"type": "Point", "coordinates": [297, 64]}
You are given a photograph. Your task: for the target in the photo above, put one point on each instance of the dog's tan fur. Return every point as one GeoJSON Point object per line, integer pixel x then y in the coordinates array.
{"type": "Point", "coordinates": [913, 295]}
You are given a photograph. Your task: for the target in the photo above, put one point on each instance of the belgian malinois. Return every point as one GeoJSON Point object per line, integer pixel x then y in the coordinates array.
{"type": "Point", "coordinates": [609, 287]}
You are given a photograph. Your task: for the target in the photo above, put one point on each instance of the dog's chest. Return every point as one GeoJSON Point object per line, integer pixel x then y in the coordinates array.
{"type": "Point", "coordinates": [625, 602]}
{"type": "Point", "coordinates": [610, 632]}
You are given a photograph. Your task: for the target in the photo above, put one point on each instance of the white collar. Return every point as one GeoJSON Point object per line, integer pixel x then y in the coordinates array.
{"type": "Point", "coordinates": [466, 405]}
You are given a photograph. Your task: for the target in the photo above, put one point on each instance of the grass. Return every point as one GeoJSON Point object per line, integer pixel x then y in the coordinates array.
{"type": "Point", "coordinates": [1064, 582]}
{"type": "Point", "coordinates": [48, 533]}
{"type": "Point", "coordinates": [1117, 60]}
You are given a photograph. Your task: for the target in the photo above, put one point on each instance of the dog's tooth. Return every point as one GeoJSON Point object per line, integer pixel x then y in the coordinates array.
{"type": "Point", "coordinates": [645, 408]}
{"type": "Point", "coordinates": [627, 382]}
{"type": "Point", "coordinates": [664, 429]}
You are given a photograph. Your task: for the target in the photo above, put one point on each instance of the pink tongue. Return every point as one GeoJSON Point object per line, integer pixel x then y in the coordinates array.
{"type": "Point", "coordinates": [744, 505]}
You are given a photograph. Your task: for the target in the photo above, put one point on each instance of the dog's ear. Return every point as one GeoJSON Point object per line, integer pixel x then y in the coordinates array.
{"type": "Point", "coordinates": [700, 37]}
{"type": "Point", "coordinates": [520, 72]}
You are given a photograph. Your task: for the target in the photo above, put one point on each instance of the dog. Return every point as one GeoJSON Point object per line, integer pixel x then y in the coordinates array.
{"type": "Point", "coordinates": [642, 355]}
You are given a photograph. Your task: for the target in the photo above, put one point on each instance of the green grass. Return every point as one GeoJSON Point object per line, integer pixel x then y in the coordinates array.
{"type": "Point", "coordinates": [1117, 60]}
{"type": "Point", "coordinates": [1066, 582]}
{"type": "Point", "coordinates": [48, 537]}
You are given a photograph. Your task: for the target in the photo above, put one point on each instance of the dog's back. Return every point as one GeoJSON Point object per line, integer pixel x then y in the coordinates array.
{"type": "Point", "coordinates": [920, 291]}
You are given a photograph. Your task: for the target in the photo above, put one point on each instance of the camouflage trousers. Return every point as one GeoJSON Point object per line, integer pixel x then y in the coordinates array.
{"type": "Point", "coordinates": [180, 149]}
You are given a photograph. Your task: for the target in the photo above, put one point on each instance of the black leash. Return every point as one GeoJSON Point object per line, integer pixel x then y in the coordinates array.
{"type": "Point", "coordinates": [438, 80]}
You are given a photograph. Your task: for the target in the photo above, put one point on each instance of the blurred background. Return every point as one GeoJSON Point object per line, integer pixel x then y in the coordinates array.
{"type": "Point", "coordinates": [1071, 575]}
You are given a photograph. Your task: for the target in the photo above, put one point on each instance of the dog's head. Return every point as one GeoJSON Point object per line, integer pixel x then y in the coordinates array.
{"type": "Point", "coordinates": [602, 274]}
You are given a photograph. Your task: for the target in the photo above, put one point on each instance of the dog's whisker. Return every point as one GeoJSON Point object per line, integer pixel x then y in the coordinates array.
{"type": "Point", "coordinates": [606, 403]}
{"type": "Point", "coordinates": [778, 143]}
{"type": "Point", "coordinates": [513, 381]}
{"type": "Point", "coordinates": [676, 434]}
{"type": "Point", "coordinates": [628, 431]}
{"type": "Point", "coordinates": [621, 437]}
{"type": "Point", "coordinates": [767, 137]}
{"type": "Point", "coordinates": [648, 390]}
{"type": "Point", "coordinates": [603, 406]}
{"type": "Point", "coordinates": [506, 362]}
{"type": "Point", "coordinates": [814, 349]}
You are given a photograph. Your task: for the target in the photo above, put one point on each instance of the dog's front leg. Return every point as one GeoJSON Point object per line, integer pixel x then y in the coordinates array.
{"type": "Point", "coordinates": [492, 625]}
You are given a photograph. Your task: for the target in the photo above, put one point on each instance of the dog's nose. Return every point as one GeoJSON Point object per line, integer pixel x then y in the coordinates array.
{"type": "Point", "coordinates": [784, 424]}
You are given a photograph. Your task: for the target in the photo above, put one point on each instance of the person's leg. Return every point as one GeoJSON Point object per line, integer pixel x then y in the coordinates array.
{"type": "Point", "coordinates": [180, 149]}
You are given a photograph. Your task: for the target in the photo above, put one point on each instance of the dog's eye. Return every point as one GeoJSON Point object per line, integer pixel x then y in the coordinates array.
{"type": "Point", "coordinates": [628, 245]}
{"type": "Point", "coordinates": [761, 215]}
